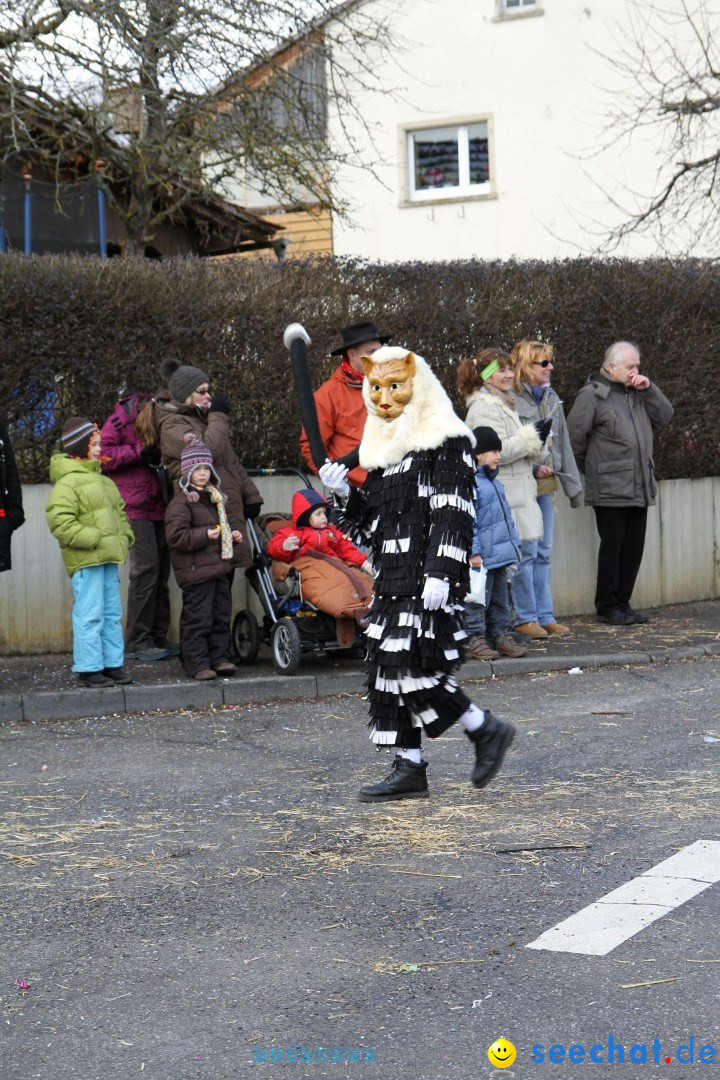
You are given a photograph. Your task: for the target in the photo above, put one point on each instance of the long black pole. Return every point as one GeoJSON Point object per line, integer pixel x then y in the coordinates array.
{"type": "Point", "coordinates": [296, 342]}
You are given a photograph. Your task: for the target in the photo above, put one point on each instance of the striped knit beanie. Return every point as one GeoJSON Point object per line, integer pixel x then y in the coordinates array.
{"type": "Point", "coordinates": [195, 453]}
{"type": "Point", "coordinates": [76, 434]}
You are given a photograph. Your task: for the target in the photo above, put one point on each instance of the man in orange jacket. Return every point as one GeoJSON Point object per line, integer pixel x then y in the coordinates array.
{"type": "Point", "coordinates": [339, 402]}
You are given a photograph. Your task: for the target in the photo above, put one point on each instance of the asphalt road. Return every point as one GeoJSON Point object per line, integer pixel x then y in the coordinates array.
{"type": "Point", "coordinates": [184, 892]}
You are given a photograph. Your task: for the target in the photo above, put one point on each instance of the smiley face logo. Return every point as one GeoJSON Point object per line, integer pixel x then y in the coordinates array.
{"type": "Point", "coordinates": [501, 1054]}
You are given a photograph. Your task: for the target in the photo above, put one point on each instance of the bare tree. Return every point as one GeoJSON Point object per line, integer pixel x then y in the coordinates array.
{"type": "Point", "coordinates": [28, 21]}
{"type": "Point", "coordinates": [179, 97]}
{"type": "Point", "coordinates": [669, 58]}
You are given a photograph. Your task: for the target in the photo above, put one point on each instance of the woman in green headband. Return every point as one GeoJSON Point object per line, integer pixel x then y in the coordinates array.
{"type": "Point", "coordinates": [486, 380]}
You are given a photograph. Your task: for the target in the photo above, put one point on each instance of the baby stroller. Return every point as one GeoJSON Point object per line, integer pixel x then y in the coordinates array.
{"type": "Point", "coordinates": [291, 625]}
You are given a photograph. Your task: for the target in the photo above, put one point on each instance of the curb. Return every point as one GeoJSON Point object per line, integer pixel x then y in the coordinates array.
{"type": "Point", "coordinates": [38, 705]}
{"type": "Point", "coordinates": [528, 665]}
{"type": "Point", "coordinates": [42, 705]}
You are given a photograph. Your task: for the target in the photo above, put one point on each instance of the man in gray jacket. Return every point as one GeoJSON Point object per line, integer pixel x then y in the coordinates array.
{"type": "Point", "coordinates": [611, 428]}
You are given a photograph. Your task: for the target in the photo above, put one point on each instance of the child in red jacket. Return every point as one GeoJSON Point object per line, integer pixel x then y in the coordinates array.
{"type": "Point", "coordinates": [336, 576]}
{"type": "Point", "coordinates": [310, 530]}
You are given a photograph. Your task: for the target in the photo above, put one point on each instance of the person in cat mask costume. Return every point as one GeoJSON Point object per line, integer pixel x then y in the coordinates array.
{"type": "Point", "coordinates": [416, 513]}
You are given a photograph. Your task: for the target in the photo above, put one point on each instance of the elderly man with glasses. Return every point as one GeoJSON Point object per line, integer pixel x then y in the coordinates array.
{"type": "Point", "coordinates": [611, 426]}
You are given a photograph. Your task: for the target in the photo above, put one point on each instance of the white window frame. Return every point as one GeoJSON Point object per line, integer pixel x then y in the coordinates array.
{"type": "Point", "coordinates": [461, 192]}
{"type": "Point", "coordinates": [526, 9]}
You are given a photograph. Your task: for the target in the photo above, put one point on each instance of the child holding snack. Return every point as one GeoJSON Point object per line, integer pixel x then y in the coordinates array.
{"type": "Point", "coordinates": [201, 529]}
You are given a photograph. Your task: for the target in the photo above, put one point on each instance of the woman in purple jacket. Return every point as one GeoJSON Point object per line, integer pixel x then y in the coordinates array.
{"type": "Point", "coordinates": [131, 462]}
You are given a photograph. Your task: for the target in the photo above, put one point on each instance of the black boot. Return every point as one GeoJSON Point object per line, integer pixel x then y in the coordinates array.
{"type": "Point", "coordinates": [636, 616]}
{"type": "Point", "coordinates": [118, 675]}
{"type": "Point", "coordinates": [491, 741]}
{"type": "Point", "coordinates": [406, 781]}
{"type": "Point", "coordinates": [94, 679]}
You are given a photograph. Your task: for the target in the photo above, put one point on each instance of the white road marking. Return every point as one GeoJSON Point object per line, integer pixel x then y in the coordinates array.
{"type": "Point", "coordinates": [617, 916]}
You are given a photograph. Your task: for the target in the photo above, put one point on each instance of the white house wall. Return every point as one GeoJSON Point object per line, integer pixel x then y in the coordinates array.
{"type": "Point", "coordinates": [542, 81]}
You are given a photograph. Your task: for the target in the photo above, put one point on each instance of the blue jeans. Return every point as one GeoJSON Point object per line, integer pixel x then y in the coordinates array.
{"type": "Point", "coordinates": [531, 584]}
{"type": "Point", "coordinates": [97, 618]}
{"type": "Point", "coordinates": [493, 620]}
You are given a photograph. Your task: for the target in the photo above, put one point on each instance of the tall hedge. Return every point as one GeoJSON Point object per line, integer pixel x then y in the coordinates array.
{"type": "Point", "coordinates": [77, 332]}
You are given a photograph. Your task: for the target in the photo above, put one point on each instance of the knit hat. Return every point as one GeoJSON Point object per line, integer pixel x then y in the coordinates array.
{"type": "Point", "coordinates": [195, 453]}
{"type": "Point", "coordinates": [486, 438]}
{"type": "Point", "coordinates": [181, 379]}
{"type": "Point", "coordinates": [305, 503]}
{"type": "Point", "coordinates": [76, 434]}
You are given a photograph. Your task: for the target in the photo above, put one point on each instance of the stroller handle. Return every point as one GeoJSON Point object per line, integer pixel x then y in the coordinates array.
{"type": "Point", "coordinates": [290, 470]}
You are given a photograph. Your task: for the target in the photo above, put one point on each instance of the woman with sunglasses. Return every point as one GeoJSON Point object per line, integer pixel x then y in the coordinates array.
{"type": "Point", "coordinates": [193, 410]}
{"type": "Point", "coordinates": [536, 402]}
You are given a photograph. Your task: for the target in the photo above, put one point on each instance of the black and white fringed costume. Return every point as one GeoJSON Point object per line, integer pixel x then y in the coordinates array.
{"type": "Point", "coordinates": [416, 512]}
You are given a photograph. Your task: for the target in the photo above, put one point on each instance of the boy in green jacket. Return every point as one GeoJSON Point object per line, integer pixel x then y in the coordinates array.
{"type": "Point", "coordinates": [86, 515]}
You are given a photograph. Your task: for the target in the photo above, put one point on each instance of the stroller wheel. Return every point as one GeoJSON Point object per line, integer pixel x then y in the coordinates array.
{"type": "Point", "coordinates": [286, 647]}
{"type": "Point", "coordinates": [245, 637]}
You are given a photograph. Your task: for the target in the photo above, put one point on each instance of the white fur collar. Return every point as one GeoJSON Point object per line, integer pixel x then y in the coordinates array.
{"type": "Point", "coordinates": [425, 423]}
{"type": "Point", "coordinates": [497, 395]}
{"type": "Point", "coordinates": [474, 395]}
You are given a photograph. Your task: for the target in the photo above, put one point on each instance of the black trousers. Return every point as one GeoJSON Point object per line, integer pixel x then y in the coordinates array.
{"type": "Point", "coordinates": [205, 625]}
{"type": "Point", "coordinates": [622, 541]}
{"type": "Point", "coordinates": [148, 602]}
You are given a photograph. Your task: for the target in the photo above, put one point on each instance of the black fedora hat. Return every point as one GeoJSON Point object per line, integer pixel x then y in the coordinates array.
{"type": "Point", "coordinates": [358, 334]}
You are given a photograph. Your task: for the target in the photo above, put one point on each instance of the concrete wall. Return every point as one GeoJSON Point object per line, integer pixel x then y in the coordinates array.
{"type": "Point", "coordinates": [682, 549]}
{"type": "Point", "coordinates": [681, 562]}
{"type": "Point", "coordinates": [36, 596]}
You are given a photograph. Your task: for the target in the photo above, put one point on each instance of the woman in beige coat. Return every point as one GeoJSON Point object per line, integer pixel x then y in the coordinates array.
{"type": "Point", "coordinates": [485, 380]}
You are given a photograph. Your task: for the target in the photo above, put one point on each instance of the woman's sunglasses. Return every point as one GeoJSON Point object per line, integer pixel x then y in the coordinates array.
{"type": "Point", "coordinates": [541, 363]}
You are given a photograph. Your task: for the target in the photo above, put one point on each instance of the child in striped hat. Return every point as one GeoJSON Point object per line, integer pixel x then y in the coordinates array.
{"type": "Point", "coordinates": [201, 526]}
{"type": "Point", "coordinates": [78, 438]}
{"type": "Point", "coordinates": [86, 515]}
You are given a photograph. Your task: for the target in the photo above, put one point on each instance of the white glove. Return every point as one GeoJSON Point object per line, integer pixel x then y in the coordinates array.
{"type": "Point", "coordinates": [435, 593]}
{"type": "Point", "coordinates": [333, 475]}
{"type": "Point", "coordinates": [295, 330]}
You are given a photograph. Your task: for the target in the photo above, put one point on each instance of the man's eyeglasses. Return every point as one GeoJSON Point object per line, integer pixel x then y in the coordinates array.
{"type": "Point", "coordinates": [541, 363]}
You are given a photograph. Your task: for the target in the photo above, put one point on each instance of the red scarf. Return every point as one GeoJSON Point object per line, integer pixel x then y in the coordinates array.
{"type": "Point", "coordinates": [350, 373]}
